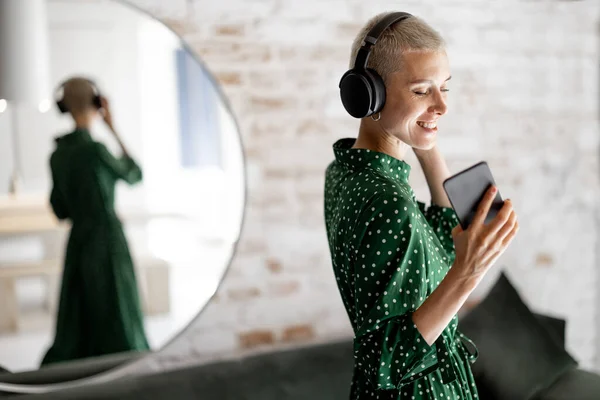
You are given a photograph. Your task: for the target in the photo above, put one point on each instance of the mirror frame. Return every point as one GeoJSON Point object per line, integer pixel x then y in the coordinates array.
{"type": "Point", "coordinates": [124, 369]}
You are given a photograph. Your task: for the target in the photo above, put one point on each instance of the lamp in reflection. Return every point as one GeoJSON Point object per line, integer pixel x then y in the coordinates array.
{"type": "Point", "coordinates": [24, 66]}
{"type": "Point", "coordinates": [44, 106]}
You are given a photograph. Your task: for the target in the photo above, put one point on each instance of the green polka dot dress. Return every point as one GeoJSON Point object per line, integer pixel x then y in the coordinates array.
{"type": "Point", "coordinates": [389, 252]}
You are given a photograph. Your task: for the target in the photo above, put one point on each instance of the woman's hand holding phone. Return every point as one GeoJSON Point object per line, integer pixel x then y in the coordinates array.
{"type": "Point", "coordinates": [480, 245]}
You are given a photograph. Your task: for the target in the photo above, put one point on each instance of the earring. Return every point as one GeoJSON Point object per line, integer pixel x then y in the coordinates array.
{"type": "Point", "coordinates": [378, 117]}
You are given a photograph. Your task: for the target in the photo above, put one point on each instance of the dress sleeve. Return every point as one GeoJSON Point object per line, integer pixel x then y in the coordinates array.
{"type": "Point", "coordinates": [122, 168]}
{"type": "Point", "coordinates": [442, 220]}
{"type": "Point", "coordinates": [391, 283]}
{"type": "Point", "coordinates": [58, 206]}
{"type": "Point", "coordinates": [56, 198]}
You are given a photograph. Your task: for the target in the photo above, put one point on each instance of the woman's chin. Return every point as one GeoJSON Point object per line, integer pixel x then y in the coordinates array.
{"type": "Point", "coordinates": [425, 139]}
{"type": "Point", "coordinates": [425, 145]}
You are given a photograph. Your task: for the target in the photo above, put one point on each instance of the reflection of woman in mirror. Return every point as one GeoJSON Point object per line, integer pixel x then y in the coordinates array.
{"type": "Point", "coordinates": [99, 308]}
{"type": "Point", "coordinates": [403, 269]}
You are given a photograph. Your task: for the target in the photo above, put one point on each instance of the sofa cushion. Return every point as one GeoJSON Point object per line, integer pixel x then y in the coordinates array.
{"type": "Point", "coordinates": [518, 356]}
{"type": "Point", "coordinates": [555, 326]}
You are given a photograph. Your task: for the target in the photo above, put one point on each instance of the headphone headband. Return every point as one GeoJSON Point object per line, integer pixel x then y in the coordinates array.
{"type": "Point", "coordinates": [362, 57]}
{"type": "Point", "coordinates": [88, 80]}
{"type": "Point", "coordinates": [362, 90]}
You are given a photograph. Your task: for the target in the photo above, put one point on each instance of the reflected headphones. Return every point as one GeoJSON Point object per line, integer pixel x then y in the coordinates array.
{"type": "Point", "coordinates": [362, 89]}
{"type": "Point", "coordinates": [60, 99]}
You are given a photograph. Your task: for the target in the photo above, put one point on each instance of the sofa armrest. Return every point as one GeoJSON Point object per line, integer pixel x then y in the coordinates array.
{"type": "Point", "coordinates": [576, 384]}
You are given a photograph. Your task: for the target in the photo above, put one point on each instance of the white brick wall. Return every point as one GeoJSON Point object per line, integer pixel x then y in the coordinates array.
{"type": "Point", "coordinates": [525, 98]}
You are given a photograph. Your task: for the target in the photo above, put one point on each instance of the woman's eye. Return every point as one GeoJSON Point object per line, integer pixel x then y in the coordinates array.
{"type": "Point", "coordinates": [418, 93]}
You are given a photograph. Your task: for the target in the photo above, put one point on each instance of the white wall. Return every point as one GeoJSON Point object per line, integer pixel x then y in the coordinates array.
{"type": "Point", "coordinates": [524, 97]}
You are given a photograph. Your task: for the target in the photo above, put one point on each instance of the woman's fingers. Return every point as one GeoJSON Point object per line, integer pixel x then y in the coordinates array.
{"type": "Point", "coordinates": [478, 248]}
{"type": "Point", "coordinates": [501, 242]}
{"type": "Point", "coordinates": [503, 223]}
{"type": "Point", "coordinates": [501, 219]}
{"type": "Point", "coordinates": [484, 206]}
{"type": "Point", "coordinates": [511, 235]}
{"type": "Point", "coordinates": [457, 230]}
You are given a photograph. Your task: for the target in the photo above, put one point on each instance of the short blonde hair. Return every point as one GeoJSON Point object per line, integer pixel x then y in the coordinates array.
{"type": "Point", "coordinates": [410, 34]}
{"type": "Point", "coordinates": [78, 95]}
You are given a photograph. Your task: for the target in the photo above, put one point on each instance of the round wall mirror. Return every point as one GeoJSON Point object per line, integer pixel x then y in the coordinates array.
{"type": "Point", "coordinates": [77, 266]}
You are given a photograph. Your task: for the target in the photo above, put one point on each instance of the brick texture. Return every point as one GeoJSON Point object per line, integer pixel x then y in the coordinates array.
{"type": "Point", "coordinates": [298, 333]}
{"type": "Point", "coordinates": [525, 97]}
{"type": "Point", "coordinates": [256, 338]}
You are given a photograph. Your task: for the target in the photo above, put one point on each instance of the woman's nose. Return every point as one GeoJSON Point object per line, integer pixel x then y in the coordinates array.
{"type": "Point", "coordinates": [439, 105]}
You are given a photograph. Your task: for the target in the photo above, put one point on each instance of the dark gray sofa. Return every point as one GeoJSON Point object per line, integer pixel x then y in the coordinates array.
{"type": "Point", "coordinates": [522, 356]}
{"type": "Point", "coordinates": [319, 372]}
{"type": "Point", "coordinates": [316, 372]}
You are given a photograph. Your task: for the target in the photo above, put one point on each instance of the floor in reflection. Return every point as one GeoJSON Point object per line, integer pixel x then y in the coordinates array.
{"type": "Point", "coordinates": [190, 287]}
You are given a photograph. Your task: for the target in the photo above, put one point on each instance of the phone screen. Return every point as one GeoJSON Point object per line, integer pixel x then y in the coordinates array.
{"type": "Point", "coordinates": [467, 188]}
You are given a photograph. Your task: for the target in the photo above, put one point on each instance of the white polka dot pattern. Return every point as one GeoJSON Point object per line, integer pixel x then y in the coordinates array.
{"type": "Point", "coordinates": [389, 252]}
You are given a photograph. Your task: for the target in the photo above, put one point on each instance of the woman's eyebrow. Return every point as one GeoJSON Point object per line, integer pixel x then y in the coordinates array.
{"type": "Point", "coordinates": [427, 81]}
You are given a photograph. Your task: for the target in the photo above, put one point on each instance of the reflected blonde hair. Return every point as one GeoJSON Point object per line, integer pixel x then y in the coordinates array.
{"type": "Point", "coordinates": [78, 94]}
{"type": "Point", "coordinates": [410, 34]}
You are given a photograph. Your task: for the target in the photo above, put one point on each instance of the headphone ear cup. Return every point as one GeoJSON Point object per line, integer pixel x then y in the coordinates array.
{"type": "Point", "coordinates": [378, 88]}
{"type": "Point", "coordinates": [356, 93]}
{"type": "Point", "coordinates": [97, 101]}
{"type": "Point", "coordinates": [61, 106]}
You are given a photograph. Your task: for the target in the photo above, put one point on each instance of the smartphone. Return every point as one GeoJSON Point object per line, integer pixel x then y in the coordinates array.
{"type": "Point", "coordinates": [467, 188]}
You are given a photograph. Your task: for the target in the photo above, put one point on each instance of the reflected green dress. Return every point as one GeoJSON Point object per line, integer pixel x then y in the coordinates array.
{"type": "Point", "coordinates": [389, 252]}
{"type": "Point", "coordinates": [99, 308]}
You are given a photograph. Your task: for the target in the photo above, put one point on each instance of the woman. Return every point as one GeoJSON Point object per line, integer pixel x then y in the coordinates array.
{"type": "Point", "coordinates": [99, 310]}
{"type": "Point", "coordinates": [402, 271]}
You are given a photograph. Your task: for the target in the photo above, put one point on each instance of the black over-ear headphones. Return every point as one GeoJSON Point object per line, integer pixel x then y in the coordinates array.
{"type": "Point", "coordinates": [60, 98]}
{"type": "Point", "coordinates": [362, 89]}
